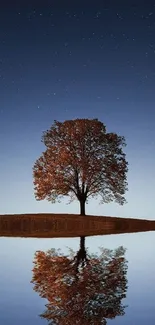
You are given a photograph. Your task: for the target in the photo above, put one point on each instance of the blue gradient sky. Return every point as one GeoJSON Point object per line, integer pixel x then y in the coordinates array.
{"type": "Point", "coordinates": [59, 61]}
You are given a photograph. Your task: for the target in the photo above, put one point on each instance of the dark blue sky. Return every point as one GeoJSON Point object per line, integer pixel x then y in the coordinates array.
{"type": "Point", "coordinates": [68, 59]}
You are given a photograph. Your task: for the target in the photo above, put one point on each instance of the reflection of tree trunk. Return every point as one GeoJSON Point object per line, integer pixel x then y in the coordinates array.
{"type": "Point", "coordinates": [81, 256]}
{"type": "Point", "coordinates": [82, 244]}
{"type": "Point", "coordinates": [82, 207]}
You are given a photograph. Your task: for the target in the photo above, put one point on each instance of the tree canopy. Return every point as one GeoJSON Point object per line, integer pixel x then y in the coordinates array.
{"type": "Point", "coordinates": [81, 160]}
{"type": "Point", "coordinates": [81, 290]}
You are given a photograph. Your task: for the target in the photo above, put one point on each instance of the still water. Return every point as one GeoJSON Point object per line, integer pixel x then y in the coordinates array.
{"type": "Point", "coordinates": [112, 286]}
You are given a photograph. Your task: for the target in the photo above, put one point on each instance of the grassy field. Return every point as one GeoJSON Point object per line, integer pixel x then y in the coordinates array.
{"type": "Point", "coordinates": [68, 225]}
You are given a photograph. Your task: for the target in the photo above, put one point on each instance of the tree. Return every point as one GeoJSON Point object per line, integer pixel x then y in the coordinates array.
{"type": "Point", "coordinates": [81, 292]}
{"type": "Point", "coordinates": [81, 160]}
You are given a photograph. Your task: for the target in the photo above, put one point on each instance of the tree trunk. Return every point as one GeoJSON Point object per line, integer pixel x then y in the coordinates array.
{"type": "Point", "coordinates": [82, 208]}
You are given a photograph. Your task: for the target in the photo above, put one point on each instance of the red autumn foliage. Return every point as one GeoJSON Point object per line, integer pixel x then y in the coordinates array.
{"type": "Point", "coordinates": [78, 293]}
{"type": "Point", "coordinates": [81, 160]}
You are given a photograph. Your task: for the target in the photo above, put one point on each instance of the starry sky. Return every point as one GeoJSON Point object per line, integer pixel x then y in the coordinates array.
{"type": "Point", "coordinates": [72, 59]}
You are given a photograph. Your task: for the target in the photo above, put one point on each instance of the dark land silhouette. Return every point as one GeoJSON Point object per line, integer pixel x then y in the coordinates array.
{"type": "Point", "coordinates": [67, 225]}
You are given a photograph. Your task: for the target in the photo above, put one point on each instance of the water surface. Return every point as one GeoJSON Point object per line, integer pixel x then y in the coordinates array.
{"type": "Point", "coordinates": [21, 304]}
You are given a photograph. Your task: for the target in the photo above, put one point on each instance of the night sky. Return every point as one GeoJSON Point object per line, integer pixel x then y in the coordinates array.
{"type": "Point", "coordinates": [70, 59]}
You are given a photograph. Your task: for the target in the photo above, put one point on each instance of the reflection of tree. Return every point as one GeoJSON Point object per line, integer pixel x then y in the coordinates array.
{"type": "Point", "coordinates": [81, 289]}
